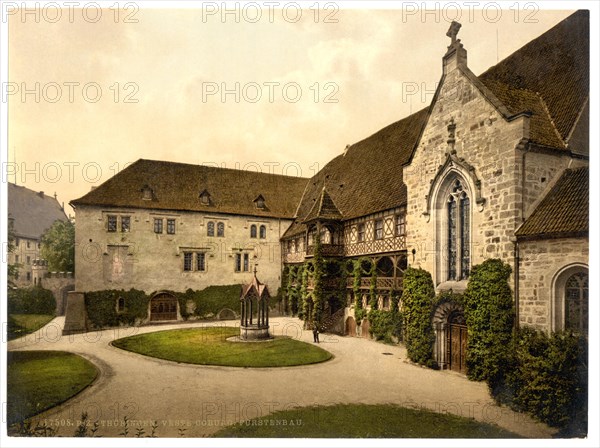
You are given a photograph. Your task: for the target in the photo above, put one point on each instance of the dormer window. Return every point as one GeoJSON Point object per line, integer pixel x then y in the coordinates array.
{"type": "Point", "coordinates": [205, 197]}
{"type": "Point", "coordinates": [260, 202]}
{"type": "Point", "coordinates": [147, 193]}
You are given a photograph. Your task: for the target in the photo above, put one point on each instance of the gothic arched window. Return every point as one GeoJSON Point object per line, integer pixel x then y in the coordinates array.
{"type": "Point", "coordinates": [458, 228]}
{"type": "Point", "coordinates": [253, 231]}
{"type": "Point", "coordinates": [263, 232]}
{"type": "Point", "coordinates": [210, 228]}
{"type": "Point", "coordinates": [220, 229]}
{"type": "Point", "coordinates": [576, 303]}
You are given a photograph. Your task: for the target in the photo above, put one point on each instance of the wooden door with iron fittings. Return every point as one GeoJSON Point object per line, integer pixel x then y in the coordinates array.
{"type": "Point", "coordinates": [163, 307]}
{"type": "Point", "coordinates": [457, 342]}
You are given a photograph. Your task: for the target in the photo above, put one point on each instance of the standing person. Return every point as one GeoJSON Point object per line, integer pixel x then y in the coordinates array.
{"type": "Point", "coordinates": [315, 334]}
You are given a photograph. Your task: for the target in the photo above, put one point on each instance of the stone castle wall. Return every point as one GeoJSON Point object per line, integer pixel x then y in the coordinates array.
{"type": "Point", "coordinates": [145, 260]}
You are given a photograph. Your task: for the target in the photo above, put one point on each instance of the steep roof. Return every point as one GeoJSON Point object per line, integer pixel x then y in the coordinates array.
{"type": "Point", "coordinates": [549, 76]}
{"type": "Point", "coordinates": [564, 210]}
{"type": "Point", "coordinates": [32, 212]}
{"type": "Point", "coordinates": [367, 178]}
{"type": "Point", "coordinates": [177, 186]}
{"type": "Point", "coordinates": [324, 208]}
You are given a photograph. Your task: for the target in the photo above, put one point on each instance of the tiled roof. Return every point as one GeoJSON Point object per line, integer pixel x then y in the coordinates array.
{"type": "Point", "coordinates": [564, 209]}
{"type": "Point", "coordinates": [33, 212]}
{"type": "Point", "coordinates": [555, 67]}
{"type": "Point", "coordinates": [324, 208]}
{"type": "Point", "coordinates": [367, 178]}
{"type": "Point", "coordinates": [548, 77]}
{"type": "Point", "coordinates": [177, 186]}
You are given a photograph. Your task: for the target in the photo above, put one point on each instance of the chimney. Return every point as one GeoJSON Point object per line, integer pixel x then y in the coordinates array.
{"type": "Point", "coordinates": [41, 194]}
{"type": "Point", "coordinates": [456, 56]}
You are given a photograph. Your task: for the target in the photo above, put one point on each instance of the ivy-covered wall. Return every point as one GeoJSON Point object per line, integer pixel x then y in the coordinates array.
{"type": "Point", "coordinates": [102, 310]}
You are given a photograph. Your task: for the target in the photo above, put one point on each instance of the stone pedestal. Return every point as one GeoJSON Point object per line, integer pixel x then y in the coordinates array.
{"type": "Point", "coordinates": [253, 332]}
{"type": "Point", "coordinates": [75, 315]}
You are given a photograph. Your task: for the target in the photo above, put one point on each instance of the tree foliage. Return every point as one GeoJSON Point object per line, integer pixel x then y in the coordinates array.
{"type": "Point", "coordinates": [58, 246]}
{"type": "Point", "coordinates": [13, 268]}
{"type": "Point", "coordinates": [417, 303]}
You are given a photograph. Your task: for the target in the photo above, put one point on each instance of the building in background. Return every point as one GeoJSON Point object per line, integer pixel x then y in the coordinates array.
{"type": "Point", "coordinates": [31, 214]}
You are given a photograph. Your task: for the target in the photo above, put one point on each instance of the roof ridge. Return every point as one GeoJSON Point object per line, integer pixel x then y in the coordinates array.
{"type": "Point", "coordinates": [545, 106]}
{"type": "Point", "coordinates": [169, 162]}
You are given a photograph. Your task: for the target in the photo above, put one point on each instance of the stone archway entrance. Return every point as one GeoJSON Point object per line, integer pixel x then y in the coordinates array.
{"type": "Point", "coordinates": [457, 342]}
{"type": "Point", "coordinates": [163, 306]}
{"type": "Point", "coordinates": [450, 348]}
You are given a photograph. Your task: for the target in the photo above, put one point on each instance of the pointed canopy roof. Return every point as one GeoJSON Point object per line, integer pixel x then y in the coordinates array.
{"type": "Point", "coordinates": [324, 208]}
{"type": "Point", "coordinates": [254, 288]}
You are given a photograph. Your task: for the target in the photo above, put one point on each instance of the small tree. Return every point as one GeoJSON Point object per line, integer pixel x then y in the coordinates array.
{"type": "Point", "coordinates": [417, 300]}
{"type": "Point", "coordinates": [489, 313]}
{"type": "Point", "coordinates": [13, 268]}
{"type": "Point", "coordinates": [58, 246]}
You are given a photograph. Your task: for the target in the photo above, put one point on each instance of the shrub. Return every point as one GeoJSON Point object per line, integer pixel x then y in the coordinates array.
{"type": "Point", "coordinates": [385, 325]}
{"type": "Point", "coordinates": [35, 300]}
{"type": "Point", "coordinates": [209, 301]}
{"type": "Point", "coordinates": [548, 377]}
{"type": "Point", "coordinates": [417, 302]}
{"type": "Point", "coordinates": [489, 313]}
{"type": "Point", "coordinates": [102, 311]}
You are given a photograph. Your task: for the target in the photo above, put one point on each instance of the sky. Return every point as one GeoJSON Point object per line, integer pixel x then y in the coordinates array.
{"type": "Point", "coordinates": [277, 90]}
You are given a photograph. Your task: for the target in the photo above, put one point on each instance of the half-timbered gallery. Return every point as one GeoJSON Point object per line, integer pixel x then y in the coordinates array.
{"type": "Point", "coordinates": [495, 167]}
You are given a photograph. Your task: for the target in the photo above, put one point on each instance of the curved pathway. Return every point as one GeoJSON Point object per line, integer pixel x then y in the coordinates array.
{"type": "Point", "coordinates": [195, 401]}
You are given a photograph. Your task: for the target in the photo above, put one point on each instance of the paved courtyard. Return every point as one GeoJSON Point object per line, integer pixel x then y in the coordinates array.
{"type": "Point", "coordinates": [195, 401]}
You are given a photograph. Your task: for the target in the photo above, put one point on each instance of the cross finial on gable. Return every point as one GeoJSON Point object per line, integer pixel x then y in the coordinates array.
{"type": "Point", "coordinates": [453, 31]}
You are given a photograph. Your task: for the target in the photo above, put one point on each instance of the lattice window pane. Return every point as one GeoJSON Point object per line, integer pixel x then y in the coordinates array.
{"type": "Point", "coordinates": [210, 229]}
{"type": "Point", "coordinates": [576, 303]}
{"type": "Point", "coordinates": [187, 261]}
{"type": "Point", "coordinates": [158, 225]}
{"type": "Point", "coordinates": [465, 259]}
{"type": "Point", "coordinates": [171, 226]}
{"type": "Point", "coordinates": [200, 261]}
{"type": "Point", "coordinates": [451, 239]}
{"type": "Point", "coordinates": [111, 224]}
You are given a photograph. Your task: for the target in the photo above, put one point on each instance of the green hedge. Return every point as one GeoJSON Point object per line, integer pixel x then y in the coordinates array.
{"type": "Point", "coordinates": [211, 300]}
{"type": "Point", "coordinates": [489, 313]}
{"type": "Point", "coordinates": [417, 304]}
{"type": "Point", "coordinates": [102, 305]}
{"type": "Point", "coordinates": [385, 325]}
{"type": "Point", "coordinates": [548, 378]}
{"type": "Point", "coordinates": [35, 300]}
{"type": "Point", "coordinates": [102, 311]}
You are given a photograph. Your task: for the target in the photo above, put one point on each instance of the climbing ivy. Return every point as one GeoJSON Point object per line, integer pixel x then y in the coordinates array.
{"type": "Point", "coordinates": [292, 297]}
{"type": "Point", "coordinates": [359, 312]}
{"type": "Point", "coordinates": [303, 312]}
{"type": "Point", "coordinates": [417, 302]}
{"type": "Point", "coordinates": [489, 313]}
{"type": "Point", "coordinates": [373, 302]}
{"type": "Point", "coordinates": [317, 293]}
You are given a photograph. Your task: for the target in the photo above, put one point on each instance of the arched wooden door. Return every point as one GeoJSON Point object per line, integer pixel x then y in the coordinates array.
{"type": "Point", "coordinates": [457, 342]}
{"type": "Point", "coordinates": [350, 326]}
{"type": "Point", "coordinates": [163, 307]}
{"type": "Point", "coordinates": [364, 327]}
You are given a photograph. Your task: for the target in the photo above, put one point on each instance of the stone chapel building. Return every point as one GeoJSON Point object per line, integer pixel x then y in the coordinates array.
{"type": "Point", "coordinates": [495, 167]}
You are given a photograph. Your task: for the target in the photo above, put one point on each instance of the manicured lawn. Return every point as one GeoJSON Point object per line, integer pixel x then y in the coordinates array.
{"type": "Point", "coordinates": [208, 346]}
{"type": "Point", "coordinates": [39, 380]}
{"type": "Point", "coordinates": [22, 324]}
{"type": "Point", "coordinates": [359, 420]}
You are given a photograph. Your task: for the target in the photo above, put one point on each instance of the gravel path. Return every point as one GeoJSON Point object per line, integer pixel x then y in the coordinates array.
{"type": "Point", "coordinates": [195, 401]}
